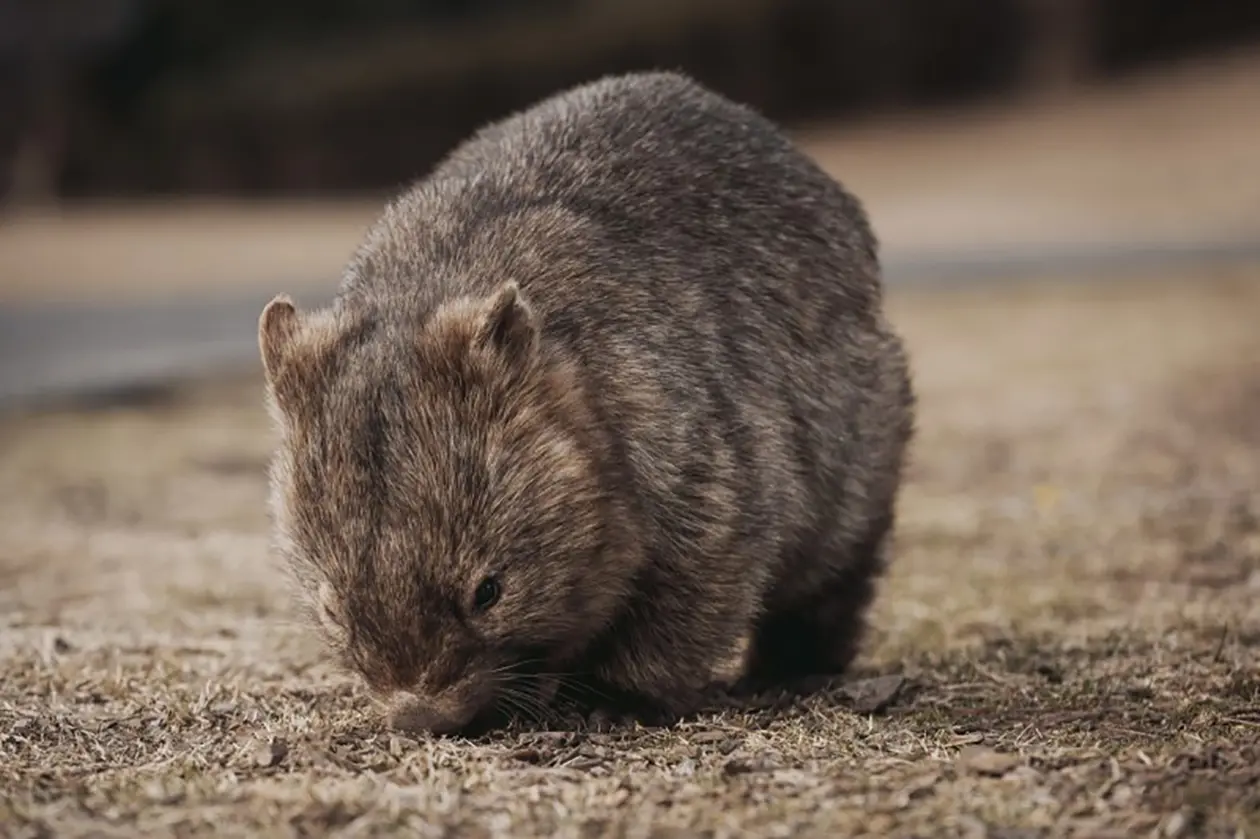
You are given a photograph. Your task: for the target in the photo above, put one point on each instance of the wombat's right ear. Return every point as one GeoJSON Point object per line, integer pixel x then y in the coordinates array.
{"type": "Point", "coordinates": [277, 328]}
{"type": "Point", "coordinates": [508, 323]}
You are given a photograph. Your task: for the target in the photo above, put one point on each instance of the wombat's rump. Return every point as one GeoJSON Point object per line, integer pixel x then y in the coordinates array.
{"type": "Point", "coordinates": [607, 400]}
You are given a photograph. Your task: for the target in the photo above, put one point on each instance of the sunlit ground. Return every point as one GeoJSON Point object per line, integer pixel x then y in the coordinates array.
{"type": "Point", "coordinates": [1073, 610]}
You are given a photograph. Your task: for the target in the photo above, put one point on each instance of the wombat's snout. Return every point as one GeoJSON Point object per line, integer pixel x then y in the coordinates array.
{"type": "Point", "coordinates": [441, 714]}
{"type": "Point", "coordinates": [408, 712]}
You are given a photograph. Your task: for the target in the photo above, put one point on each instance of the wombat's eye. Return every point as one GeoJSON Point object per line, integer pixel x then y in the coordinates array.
{"type": "Point", "coordinates": [487, 594]}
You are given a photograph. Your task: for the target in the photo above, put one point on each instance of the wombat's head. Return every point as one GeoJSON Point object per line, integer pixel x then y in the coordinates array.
{"type": "Point", "coordinates": [437, 494]}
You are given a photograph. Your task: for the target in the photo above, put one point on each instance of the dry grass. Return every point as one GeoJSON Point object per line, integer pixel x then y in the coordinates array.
{"type": "Point", "coordinates": [1070, 628]}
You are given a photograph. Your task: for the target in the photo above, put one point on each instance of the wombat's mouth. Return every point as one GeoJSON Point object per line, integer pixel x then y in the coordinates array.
{"type": "Point", "coordinates": [518, 702]}
{"type": "Point", "coordinates": [516, 695]}
{"type": "Point", "coordinates": [487, 721]}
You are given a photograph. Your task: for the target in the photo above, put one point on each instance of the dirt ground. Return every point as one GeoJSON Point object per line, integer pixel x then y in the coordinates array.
{"type": "Point", "coordinates": [1066, 643]}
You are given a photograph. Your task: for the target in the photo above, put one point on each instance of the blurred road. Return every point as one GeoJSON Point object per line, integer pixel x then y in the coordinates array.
{"type": "Point", "coordinates": [54, 351]}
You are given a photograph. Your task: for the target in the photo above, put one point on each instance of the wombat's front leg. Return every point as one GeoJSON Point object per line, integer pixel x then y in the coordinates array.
{"type": "Point", "coordinates": [667, 666]}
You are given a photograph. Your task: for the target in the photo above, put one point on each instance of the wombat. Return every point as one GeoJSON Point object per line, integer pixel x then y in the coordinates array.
{"type": "Point", "coordinates": [606, 402]}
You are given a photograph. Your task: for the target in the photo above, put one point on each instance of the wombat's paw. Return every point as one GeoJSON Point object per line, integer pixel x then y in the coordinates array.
{"type": "Point", "coordinates": [647, 714]}
{"type": "Point", "coordinates": [628, 710]}
{"type": "Point", "coordinates": [609, 719]}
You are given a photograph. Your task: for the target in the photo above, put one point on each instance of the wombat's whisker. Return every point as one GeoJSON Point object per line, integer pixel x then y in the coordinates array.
{"type": "Point", "coordinates": [513, 691]}
{"type": "Point", "coordinates": [527, 705]}
{"type": "Point", "coordinates": [514, 666]}
{"type": "Point", "coordinates": [577, 684]}
{"type": "Point", "coordinates": [508, 703]}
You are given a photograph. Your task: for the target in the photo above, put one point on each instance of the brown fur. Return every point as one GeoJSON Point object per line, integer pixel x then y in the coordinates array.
{"type": "Point", "coordinates": [624, 352]}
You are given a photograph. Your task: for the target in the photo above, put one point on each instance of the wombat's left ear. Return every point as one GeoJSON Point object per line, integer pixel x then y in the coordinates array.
{"type": "Point", "coordinates": [277, 327]}
{"type": "Point", "coordinates": [509, 325]}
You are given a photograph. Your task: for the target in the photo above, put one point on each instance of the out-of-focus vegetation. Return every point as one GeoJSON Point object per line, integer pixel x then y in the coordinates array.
{"type": "Point", "coordinates": [178, 96]}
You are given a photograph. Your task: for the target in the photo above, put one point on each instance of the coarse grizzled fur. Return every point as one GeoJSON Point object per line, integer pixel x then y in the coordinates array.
{"type": "Point", "coordinates": [607, 401]}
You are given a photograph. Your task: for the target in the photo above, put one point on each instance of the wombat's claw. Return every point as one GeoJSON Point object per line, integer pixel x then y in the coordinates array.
{"type": "Point", "coordinates": [603, 720]}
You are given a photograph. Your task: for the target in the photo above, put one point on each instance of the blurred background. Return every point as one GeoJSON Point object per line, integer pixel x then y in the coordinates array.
{"type": "Point", "coordinates": [167, 165]}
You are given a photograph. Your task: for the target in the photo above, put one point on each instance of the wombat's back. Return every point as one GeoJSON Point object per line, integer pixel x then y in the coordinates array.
{"type": "Point", "coordinates": [670, 171]}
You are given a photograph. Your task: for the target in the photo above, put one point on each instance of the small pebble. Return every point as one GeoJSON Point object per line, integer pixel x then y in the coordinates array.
{"type": "Point", "coordinates": [871, 696]}
{"type": "Point", "coordinates": [527, 756]}
{"type": "Point", "coordinates": [1176, 825]}
{"type": "Point", "coordinates": [985, 761]}
{"type": "Point", "coordinates": [270, 752]}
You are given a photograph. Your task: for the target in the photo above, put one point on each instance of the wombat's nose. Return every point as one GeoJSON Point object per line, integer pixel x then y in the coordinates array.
{"type": "Point", "coordinates": [408, 712]}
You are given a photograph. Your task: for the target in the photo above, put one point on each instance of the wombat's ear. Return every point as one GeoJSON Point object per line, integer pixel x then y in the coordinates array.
{"type": "Point", "coordinates": [509, 324]}
{"type": "Point", "coordinates": [277, 328]}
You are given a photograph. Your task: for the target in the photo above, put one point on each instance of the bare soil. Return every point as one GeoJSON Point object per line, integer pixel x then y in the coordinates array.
{"type": "Point", "coordinates": [1066, 644]}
